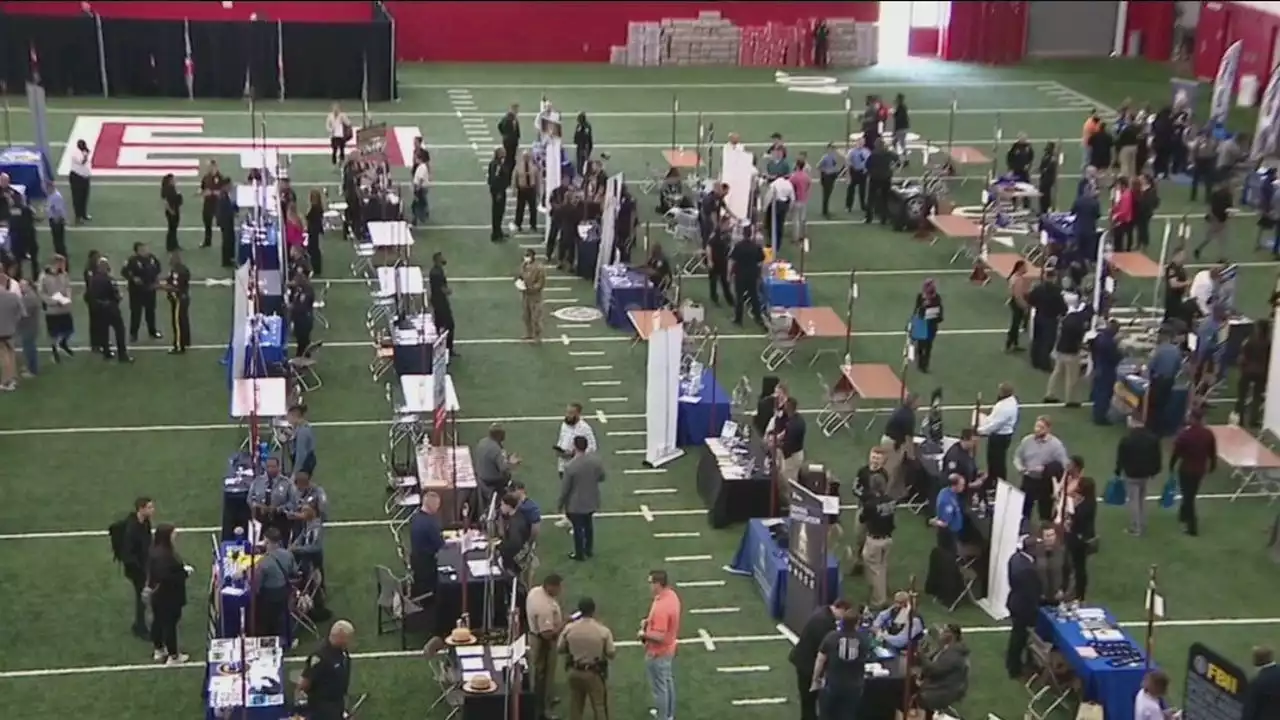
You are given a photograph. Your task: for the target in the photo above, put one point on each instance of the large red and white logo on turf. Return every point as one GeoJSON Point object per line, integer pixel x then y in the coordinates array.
{"type": "Point", "coordinates": [146, 146]}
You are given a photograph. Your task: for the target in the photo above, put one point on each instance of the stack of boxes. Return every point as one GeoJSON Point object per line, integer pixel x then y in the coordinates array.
{"type": "Point", "coordinates": [708, 40]}
{"type": "Point", "coordinates": [713, 40]}
{"type": "Point", "coordinates": [643, 48]}
{"type": "Point", "coordinates": [852, 44]}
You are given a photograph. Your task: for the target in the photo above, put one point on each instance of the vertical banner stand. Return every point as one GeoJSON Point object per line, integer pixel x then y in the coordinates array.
{"type": "Point", "coordinates": [909, 657]}
{"type": "Point", "coordinates": [848, 317]}
{"type": "Point", "coordinates": [1155, 610]}
{"type": "Point", "coordinates": [661, 393]}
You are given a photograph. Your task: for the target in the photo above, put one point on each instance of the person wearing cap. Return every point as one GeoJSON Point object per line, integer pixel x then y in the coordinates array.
{"type": "Point", "coordinates": [588, 647]}
{"type": "Point", "coordinates": [545, 621]}
{"type": "Point", "coordinates": [326, 678]}
{"type": "Point", "coordinates": [493, 466]}
{"type": "Point", "coordinates": [1023, 604]}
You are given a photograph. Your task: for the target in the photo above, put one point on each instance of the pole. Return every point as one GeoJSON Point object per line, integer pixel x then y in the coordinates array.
{"type": "Point", "coordinates": [908, 658]}
{"type": "Point", "coordinates": [1101, 276]}
{"type": "Point", "coordinates": [848, 317]}
{"type": "Point", "coordinates": [848, 121]}
{"type": "Point", "coordinates": [675, 110]}
{"type": "Point", "coordinates": [713, 363]}
{"type": "Point", "coordinates": [908, 355]}
{"type": "Point", "coordinates": [995, 149]}
{"type": "Point", "coordinates": [697, 144]}
{"type": "Point", "coordinates": [102, 56]}
{"type": "Point", "coordinates": [1151, 614]}
{"type": "Point", "coordinates": [951, 123]}
{"type": "Point", "coordinates": [8, 127]}
{"type": "Point", "coordinates": [1164, 257]}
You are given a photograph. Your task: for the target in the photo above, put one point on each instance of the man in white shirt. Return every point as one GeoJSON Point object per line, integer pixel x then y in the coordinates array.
{"type": "Point", "coordinates": [574, 426]}
{"type": "Point", "coordinates": [1202, 287]}
{"type": "Point", "coordinates": [338, 125]}
{"type": "Point", "coordinates": [421, 178]}
{"type": "Point", "coordinates": [778, 199]}
{"type": "Point", "coordinates": [1148, 705]}
{"type": "Point", "coordinates": [998, 427]}
{"type": "Point", "coordinates": [78, 179]}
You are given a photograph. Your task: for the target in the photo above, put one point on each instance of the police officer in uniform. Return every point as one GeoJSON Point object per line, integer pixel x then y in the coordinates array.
{"type": "Point", "coordinates": [559, 198]}
{"type": "Point", "coordinates": [104, 296]}
{"type": "Point", "coordinates": [710, 208]}
{"type": "Point", "coordinates": [438, 293]}
{"type": "Point", "coordinates": [327, 675]}
{"type": "Point", "coordinates": [178, 289]}
{"type": "Point", "coordinates": [141, 272]}
{"type": "Point", "coordinates": [534, 277]}
{"type": "Point", "coordinates": [716, 247]}
{"type": "Point", "coordinates": [227, 223]}
{"type": "Point", "coordinates": [498, 178]}
{"type": "Point", "coordinates": [210, 184]}
{"type": "Point", "coordinates": [588, 647]}
{"type": "Point", "coordinates": [746, 257]}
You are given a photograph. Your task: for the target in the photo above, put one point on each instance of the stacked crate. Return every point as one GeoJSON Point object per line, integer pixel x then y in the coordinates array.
{"type": "Point", "coordinates": [644, 44]}
{"type": "Point", "coordinates": [852, 44]}
{"type": "Point", "coordinates": [707, 40]}
{"type": "Point", "coordinates": [617, 54]}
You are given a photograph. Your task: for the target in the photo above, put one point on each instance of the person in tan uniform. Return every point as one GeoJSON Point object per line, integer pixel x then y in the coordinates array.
{"type": "Point", "coordinates": [542, 607]}
{"type": "Point", "coordinates": [588, 647]}
{"type": "Point", "coordinates": [526, 181]}
{"type": "Point", "coordinates": [534, 277]}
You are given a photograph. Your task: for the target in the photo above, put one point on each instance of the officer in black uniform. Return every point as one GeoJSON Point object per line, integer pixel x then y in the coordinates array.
{"type": "Point", "coordinates": [210, 186]}
{"type": "Point", "coordinates": [141, 271]}
{"type": "Point", "coordinates": [879, 179]}
{"type": "Point", "coordinates": [716, 247]}
{"type": "Point", "coordinates": [326, 678]}
{"type": "Point", "coordinates": [710, 208]}
{"type": "Point", "coordinates": [178, 289]}
{"type": "Point", "coordinates": [1175, 288]}
{"type": "Point", "coordinates": [559, 198]}
{"type": "Point", "coordinates": [302, 300]}
{"type": "Point", "coordinates": [746, 257]}
{"type": "Point", "coordinates": [498, 177]}
{"type": "Point", "coordinates": [104, 295]}
{"type": "Point", "coordinates": [509, 130]}
{"type": "Point", "coordinates": [227, 223]}
{"type": "Point", "coordinates": [438, 293]}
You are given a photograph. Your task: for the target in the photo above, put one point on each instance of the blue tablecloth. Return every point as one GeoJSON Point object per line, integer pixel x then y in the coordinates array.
{"type": "Point", "coordinates": [1114, 688]}
{"type": "Point", "coordinates": [272, 349]}
{"type": "Point", "coordinates": [261, 244]}
{"type": "Point", "coordinates": [701, 418]}
{"type": "Point", "coordinates": [1059, 226]}
{"type": "Point", "coordinates": [786, 293]}
{"type": "Point", "coordinates": [588, 251]}
{"type": "Point", "coordinates": [25, 167]}
{"type": "Point", "coordinates": [225, 673]}
{"type": "Point", "coordinates": [234, 598]}
{"type": "Point", "coordinates": [759, 556]}
{"type": "Point", "coordinates": [617, 294]}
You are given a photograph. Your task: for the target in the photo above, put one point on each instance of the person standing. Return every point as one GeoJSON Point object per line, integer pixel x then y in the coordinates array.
{"type": "Point", "coordinates": [879, 177]}
{"type": "Point", "coordinates": [926, 316]}
{"type": "Point", "coordinates": [716, 247]}
{"type": "Point", "coordinates": [1215, 220]}
{"type": "Point", "coordinates": [56, 208]}
{"type": "Point", "coordinates": [275, 570]}
{"type": "Point", "coordinates": [105, 296]}
{"type": "Point", "coordinates": [828, 173]}
{"type": "Point", "coordinates": [1082, 534]}
{"type": "Point", "coordinates": [584, 141]}
{"type": "Point", "coordinates": [1162, 372]}
{"type": "Point", "coordinates": [131, 547]}
{"type": "Point", "coordinates": [545, 621]}
{"type": "Point", "coordinates": [876, 515]}
{"type": "Point", "coordinates": [326, 677]}
{"type": "Point", "coordinates": [558, 200]}
{"type": "Point", "coordinates": [141, 272]}
{"type": "Point", "coordinates": [516, 533]}
{"type": "Point", "coordinates": [821, 43]}
{"type": "Point", "coordinates": [660, 633]}
{"type": "Point", "coordinates": [1122, 215]}
{"type": "Point", "coordinates": [1036, 454]}
{"type": "Point", "coordinates": [97, 329]}
{"type": "Point", "coordinates": [1105, 352]}
{"type": "Point", "coordinates": [1023, 604]}
{"type": "Point", "coordinates": [1175, 286]}
{"type": "Point", "coordinates": [426, 540]}
{"type": "Point", "coordinates": [746, 262]}
{"type": "Point", "coordinates": [534, 278]}
{"type": "Point", "coordinates": [1048, 181]}
{"type": "Point", "coordinates": [509, 131]}
{"type": "Point", "coordinates": [802, 183]}
{"type": "Point", "coordinates": [589, 647]}
{"type": "Point", "coordinates": [526, 183]}
{"type": "Point", "coordinates": [998, 427]}
{"type": "Point", "coordinates": [210, 185]}
{"type": "Point", "coordinates": [272, 498]}
{"type": "Point", "coordinates": [11, 314]}
{"type": "Point", "coordinates": [498, 178]}
{"type": "Point", "coordinates": [856, 165]}
{"type": "Point", "coordinates": [315, 231]}
{"type": "Point", "coordinates": [1019, 159]}
{"type": "Point", "coordinates": [1262, 699]}
{"type": "Point", "coordinates": [580, 497]}
{"type": "Point", "coordinates": [1138, 460]}
{"type": "Point", "coordinates": [171, 199]}
{"type": "Point", "coordinates": [302, 313]}
{"type": "Point", "coordinates": [1195, 453]}
{"type": "Point", "coordinates": [29, 325]}
{"type": "Point", "coordinates": [227, 223]}
{"type": "Point", "coordinates": [439, 294]}
{"type": "Point", "coordinates": [1019, 305]}
{"type": "Point", "coordinates": [493, 467]}
{"type": "Point", "coordinates": [78, 179]}
{"type": "Point", "coordinates": [1046, 300]}
{"type": "Point", "coordinates": [804, 654]}
{"type": "Point", "coordinates": [167, 579]}
{"type": "Point", "coordinates": [1146, 200]}
{"type": "Point", "coordinates": [177, 288]}
{"type": "Point", "coordinates": [779, 198]}
{"type": "Point", "coordinates": [1255, 360]}
{"type": "Point", "coordinates": [901, 128]}
{"type": "Point", "coordinates": [55, 292]}
{"type": "Point", "coordinates": [789, 441]}
{"type": "Point", "coordinates": [840, 669]}
{"type": "Point", "coordinates": [338, 127]}
{"type": "Point", "coordinates": [304, 440]}
{"type": "Point", "coordinates": [1066, 359]}
{"type": "Point", "coordinates": [22, 234]}
{"type": "Point", "coordinates": [421, 180]}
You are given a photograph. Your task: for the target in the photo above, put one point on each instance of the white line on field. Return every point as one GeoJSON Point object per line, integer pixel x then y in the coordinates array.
{"type": "Point", "coordinates": [601, 383]}
{"type": "Point", "coordinates": [556, 288]}
{"type": "Point", "coordinates": [760, 701]}
{"type": "Point", "coordinates": [581, 353]}
{"type": "Point", "coordinates": [707, 642]}
{"type": "Point", "coordinates": [560, 301]}
{"type": "Point", "coordinates": [659, 471]}
{"type": "Point", "coordinates": [677, 535]}
{"type": "Point", "coordinates": [625, 433]}
{"type": "Point", "coordinates": [714, 611]}
{"type": "Point", "coordinates": [593, 368]}
{"type": "Point", "coordinates": [589, 87]}
{"type": "Point", "coordinates": [701, 583]}
{"type": "Point", "coordinates": [604, 419]}
{"type": "Point", "coordinates": [655, 491]}
{"type": "Point", "coordinates": [646, 513]}
{"type": "Point", "coordinates": [687, 558]}
{"type": "Point", "coordinates": [572, 326]}
{"type": "Point", "coordinates": [743, 669]}
{"type": "Point", "coordinates": [787, 633]}
{"type": "Point", "coordinates": [603, 400]}
{"type": "Point", "coordinates": [631, 451]}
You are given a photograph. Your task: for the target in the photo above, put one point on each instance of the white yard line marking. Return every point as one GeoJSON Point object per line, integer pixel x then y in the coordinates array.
{"type": "Point", "coordinates": [743, 668]}
{"type": "Point", "coordinates": [602, 400]}
{"type": "Point", "coordinates": [564, 339]}
{"type": "Point", "coordinates": [707, 642]}
{"type": "Point", "coordinates": [572, 326]}
{"type": "Point", "coordinates": [714, 611]}
{"type": "Point", "coordinates": [589, 87]}
{"type": "Point", "coordinates": [701, 583]}
{"type": "Point", "coordinates": [760, 701]}
{"type": "Point", "coordinates": [557, 288]}
{"type": "Point", "coordinates": [646, 513]}
{"type": "Point", "coordinates": [632, 451]}
{"type": "Point", "coordinates": [659, 471]}
{"type": "Point", "coordinates": [560, 301]}
{"type": "Point", "coordinates": [604, 419]}
{"type": "Point", "coordinates": [582, 353]}
{"type": "Point", "coordinates": [625, 433]}
{"type": "Point", "coordinates": [786, 633]}
{"type": "Point", "coordinates": [677, 535]}
{"type": "Point", "coordinates": [655, 491]}
{"type": "Point", "coordinates": [601, 383]}
{"type": "Point", "coordinates": [593, 368]}
{"type": "Point", "coordinates": [687, 558]}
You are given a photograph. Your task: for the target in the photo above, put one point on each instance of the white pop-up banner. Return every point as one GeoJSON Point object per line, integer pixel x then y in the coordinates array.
{"type": "Point", "coordinates": [738, 169]}
{"type": "Point", "coordinates": [240, 321]}
{"type": "Point", "coordinates": [662, 393]}
{"type": "Point", "coordinates": [608, 224]}
{"type": "Point", "coordinates": [1271, 407]}
{"type": "Point", "coordinates": [1006, 528]}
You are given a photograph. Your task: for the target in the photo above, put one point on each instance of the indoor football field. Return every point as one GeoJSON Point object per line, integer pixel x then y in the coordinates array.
{"type": "Point", "coordinates": [86, 437]}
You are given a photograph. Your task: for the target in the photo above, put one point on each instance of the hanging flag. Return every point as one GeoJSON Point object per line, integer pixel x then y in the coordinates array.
{"type": "Point", "coordinates": [280, 56]}
{"type": "Point", "coordinates": [188, 65]}
{"type": "Point", "coordinates": [364, 94]}
{"type": "Point", "coordinates": [35, 64]}
{"type": "Point", "coordinates": [248, 83]}
{"type": "Point", "coordinates": [1225, 83]}
{"type": "Point", "coordinates": [1264, 136]}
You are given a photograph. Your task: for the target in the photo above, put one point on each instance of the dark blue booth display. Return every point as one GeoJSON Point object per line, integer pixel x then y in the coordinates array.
{"type": "Point", "coordinates": [1112, 674]}
{"type": "Point", "coordinates": [760, 557]}
{"type": "Point", "coordinates": [621, 291]}
{"type": "Point", "coordinates": [701, 416]}
{"type": "Point", "coordinates": [25, 167]}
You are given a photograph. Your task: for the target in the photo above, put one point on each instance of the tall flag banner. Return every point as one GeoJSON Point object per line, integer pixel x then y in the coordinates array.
{"type": "Point", "coordinates": [280, 56]}
{"type": "Point", "coordinates": [1264, 135]}
{"type": "Point", "coordinates": [364, 93]}
{"type": "Point", "coordinates": [35, 63]}
{"type": "Point", "coordinates": [1225, 83]}
{"type": "Point", "coordinates": [188, 65]}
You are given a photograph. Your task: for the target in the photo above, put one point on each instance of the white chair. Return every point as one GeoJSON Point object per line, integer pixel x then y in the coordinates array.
{"type": "Point", "coordinates": [320, 303]}
{"type": "Point", "coordinates": [394, 606]}
{"type": "Point", "coordinates": [782, 342]}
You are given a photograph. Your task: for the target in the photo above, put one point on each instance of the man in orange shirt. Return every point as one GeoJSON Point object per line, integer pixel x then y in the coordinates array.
{"type": "Point", "coordinates": [660, 633]}
{"type": "Point", "coordinates": [1092, 125]}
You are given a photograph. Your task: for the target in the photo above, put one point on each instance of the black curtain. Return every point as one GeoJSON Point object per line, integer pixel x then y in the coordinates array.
{"type": "Point", "coordinates": [220, 58]}
{"type": "Point", "coordinates": [144, 57]}
{"type": "Point", "coordinates": [66, 48]}
{"type": "Point", "coordinates": [264, 55]}
{"type": "Point", "coordinates": [382, 68]}
{"type": "Point", "coordinates": [323, 60]}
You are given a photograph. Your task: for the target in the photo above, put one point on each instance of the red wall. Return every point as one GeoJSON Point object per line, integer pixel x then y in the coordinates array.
{"type": "Point", "coordinates": [569, 31]}
{"type": "Point", "coordinates": [1154, 19]}
{"type": "Point", "coordinates": [924, 42]}
{"type": "Point", "coordinates": [1221, 24]}
{"type": "Point", "coordinates": [986, 32]}
{"type": "Point", "coordinates": [204, 10]}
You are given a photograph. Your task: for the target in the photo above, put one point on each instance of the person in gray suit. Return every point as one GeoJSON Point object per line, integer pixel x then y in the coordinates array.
{"type": "Point", "coordinates": [580, 497]}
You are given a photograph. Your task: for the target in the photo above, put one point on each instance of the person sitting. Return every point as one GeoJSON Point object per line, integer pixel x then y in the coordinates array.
{"type": "Point", "coordinates": [673, 193]}
{"type": "Point", "coordinates": [892, 624]}
{"type": "Point", "coordinates": [944, 679]}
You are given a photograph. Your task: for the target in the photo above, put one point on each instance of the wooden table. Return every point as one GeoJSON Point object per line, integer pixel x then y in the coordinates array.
{"type": "Point", "coordinates": [1248, 457]}
{"type": "Point", "coordinates": [1136, 265]}
{"type": "Point", "coordinates": [448, 472]}
{"type": "Point", "coordinates": [1002, 265]}
{"type": "Point", "coordinates": [875, 382]}
{"type": "Point", "coordinates": [646, 321]}
{"type": "Point", "coordinates": [681, 159]}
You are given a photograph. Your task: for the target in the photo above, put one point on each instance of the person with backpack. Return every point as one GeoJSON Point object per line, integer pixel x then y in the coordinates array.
{"type": "Point", "coordinates": [131, 547]}
{"type": "Point", "coordinates": [167, 587]}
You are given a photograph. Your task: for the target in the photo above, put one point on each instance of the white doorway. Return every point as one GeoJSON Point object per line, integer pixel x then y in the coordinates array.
{"type": "Point", "coordinates": [895, 27]}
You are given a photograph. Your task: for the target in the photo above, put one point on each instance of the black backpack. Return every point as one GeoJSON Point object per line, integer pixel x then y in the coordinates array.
{"type": "Point", "coordinates": [118, 531]}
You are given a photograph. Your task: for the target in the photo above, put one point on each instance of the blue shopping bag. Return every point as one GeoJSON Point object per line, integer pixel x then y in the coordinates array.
{"type": "Point", "coordinates": [919, 328]}
{"type": "Point", "coordinates": [1115, 494]}
{"type": "Point", "coordinates": [1169, 493]}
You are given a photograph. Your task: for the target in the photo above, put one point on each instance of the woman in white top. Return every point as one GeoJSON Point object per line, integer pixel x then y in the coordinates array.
{"type": "Point", "coordinates": [338, 126]}
{"type": "Point", "coordinates": [79, 181]}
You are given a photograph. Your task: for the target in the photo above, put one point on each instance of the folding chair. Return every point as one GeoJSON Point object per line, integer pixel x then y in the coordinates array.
{"type": "Point", "coordinates": [384, 359]}
{"type": "Point", "coordinates": [966, 560]}
{"type": "Point", "coordinates": [394, 604]}
{"type": "Point", "coordinates": [303, 368]}
{"type": "Point", "coordinates": [305, 601]}
{"type": "Point", "coordinates": [1056, 683]}
{"type": "Point", "coordinates": [445, 675]}
{"type": "Point", "coordinates": [782, 342]}
{"type": "Point", "coordinates": [362, 265]}
{"type": "Point", "coordinates": [381, 309]}
{"type": "Point", "coordinates": [405, 427]}
{"type": "Point", "coordinates": [402, 503]}
{"type": "Point", "coordinates": [839, 409]}
{"type": "Point", "coordinates": [318, 305]}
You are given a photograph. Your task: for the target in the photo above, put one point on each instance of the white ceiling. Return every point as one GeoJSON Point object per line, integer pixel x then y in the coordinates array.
{"type": "Point", "coordinates": [1269, 7]}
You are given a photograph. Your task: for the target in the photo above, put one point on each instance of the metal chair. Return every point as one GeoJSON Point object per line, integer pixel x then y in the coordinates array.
{"type": "Point", "coordinates": [321, 301]}
{"type": "Point", "coordinates": [839, 409]}
{"type": "Point", "coordinates": [394, 605]}
{"type": "Point", "coordinates": [405, 427]}
{"type": "Point", "coordinates": [782, 342]}
{"type": "Point", "coordinates": [445, 675]}
{"type": "Point", "coordinates": [362, 265]}
{"type": "Point", "coordinates": [303, 368]}
{"type": "Point", "coordinates": [744, 399]}
{"type": "Point", "coordinates": [1053, 681]}
{"type": "Point", "coordinates": [966, 560]}
{"type": "Point", "coordinates": [305, 601]}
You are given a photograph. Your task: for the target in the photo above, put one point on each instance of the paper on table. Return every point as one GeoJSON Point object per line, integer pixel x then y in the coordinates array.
{"type": "Point", "coordinates": [1086, 652]}
{"type": "Point", "coordinates": [501, 664]}
{"type": "Point", "coordinates": [472, 663]}
{"type": "Point", "coordinates": [830, 505]}
{"type": "Point", "coordinates": [469, 650]}
{"type": "Point", "coordinates": [1108, 635]}
{"type": "Point", "coordinates": [479, 568]}
{"type": "Point", "coordinates": [500, 651]}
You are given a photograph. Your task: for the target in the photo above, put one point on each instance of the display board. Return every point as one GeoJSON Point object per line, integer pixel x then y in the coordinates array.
{"type": "Point", "coordinates": [1215, 686]}
{"type": "Point", "coordinates": [806, 556]}
{"type": "Point", "coordinates": [608, 224]}
{"type": "Point", "coordinates": [662, 390]}
{"type": "Point", "coordinates": [372, 142]}
{"type": "Point", "coordinates": [1006, 528]}
{"type": "Point", "coordinates": [440, 384]}
{"type": "Point", "coordinates": [738, 169]}
{"type": "Point", "coordinates": [1271, 405]}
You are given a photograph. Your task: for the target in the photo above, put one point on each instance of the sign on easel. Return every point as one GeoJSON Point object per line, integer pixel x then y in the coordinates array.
{"type": "Point", "coordinates": [806, 556]}
{"type": "Point", "coordinates": [1214, 688]}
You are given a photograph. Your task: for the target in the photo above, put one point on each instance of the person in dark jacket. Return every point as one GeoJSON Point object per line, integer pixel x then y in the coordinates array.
{"type": "Point", "coordinates": [1262, 699]}
{"type": "Point", "coordinates": [104, 295]}
{"type": "Point", "coordinates": [167, 579]}
{"type": "Point", "coordinates": [1019, 159]}
{"type": "Point", "coordinates": [315, 232]}
{"type": "Point", "coordinates": [1101, 145]}
{"type": "Point", "coordinates": [1163, 139]}
{"type": "Point", "coordinates": [926, 317]}
{"type": "Point", "coordinates": [767, 406]}
{"type": "Point", "coordinates": [1046, 299]}
{"type": "Point", "coordinates": [226, 216]}
{"type": "Point", "coordinates": [879, 178]}
{"type": "Point", "coordinates": [1023, 604]}
{"type": "Point", "coordinates": [1088, 210]}
{"type": "Point", "coordinates": [1048, 183]}
{"type": "Point", "coordinates": [1195, 453]}
{"type": "Point", "coordinates": [944, 680]}
{"type": "Point", "coordinates": [1105, 352]}
{"type": "Point", "coordinates": [805, 652]}
{"type": "Point", "coordinates": [141, 273]}
{"type": "Point", "coordinates": [134, 555]}
{"type": "Point", "coordinates": [1082, 534]}
{"type": "Point", "coordinates": [584, 141]}
{"type": "Point", "coordinates": [1255, 359]}
{"type": "Point", "coordinates": [1146, 200]}
{"type": "Point", "coordinates": [1216, 220]}
{"type": "Point", "coordinates": [1138, 460]}
{"type": "Point", "coordinates": [1066, 358]}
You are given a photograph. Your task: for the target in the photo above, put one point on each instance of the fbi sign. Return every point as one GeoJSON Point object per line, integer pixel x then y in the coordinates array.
{"type": "Point", "coordinates": [1214, 688]}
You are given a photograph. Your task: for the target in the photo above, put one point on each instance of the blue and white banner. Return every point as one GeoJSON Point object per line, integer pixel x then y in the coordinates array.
{"type": "Point", "coordinates": [1264, 135]}
{"type": "Point", "coordinates": [1225, 83]}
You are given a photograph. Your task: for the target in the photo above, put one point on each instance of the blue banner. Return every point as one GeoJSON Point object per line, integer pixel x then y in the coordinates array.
{"type": "Point", "coordinates": [806, 556]}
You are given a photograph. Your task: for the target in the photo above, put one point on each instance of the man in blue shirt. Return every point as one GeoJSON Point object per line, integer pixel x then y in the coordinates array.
{"type": "Point", "coordinates": [1104, 350]}
{"type": "Point", "coordinates": [1162, 371]}
{"type": "Point", "coordinates": [426, 539]}
{"type": "Point", "coordinates": [528, 507]}
{"type": "Point", "coordinates": [57, 209]}
{"type": "Point", "coordinates": [828, 171]}
{"type": "Point", "coordinates": [304, 440]}
{"type": "Point", "coordinates": [857, 162]}
{"type": "Point", "coordinates": [949, 517]}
